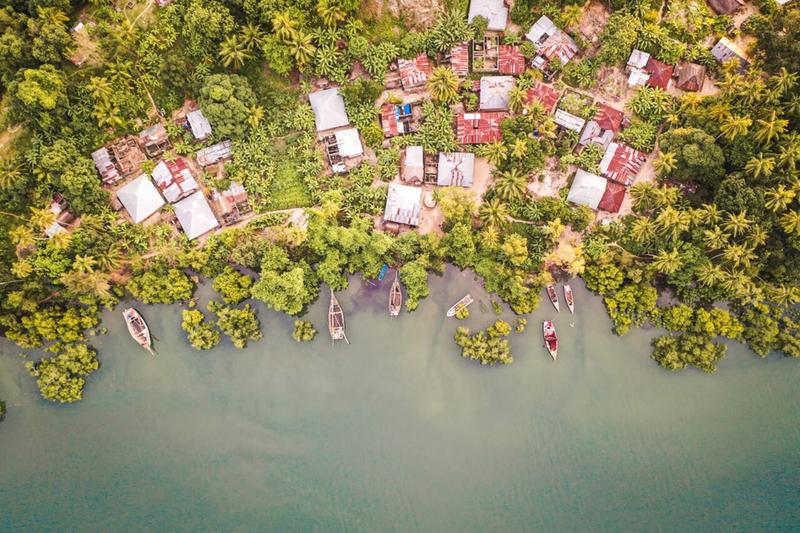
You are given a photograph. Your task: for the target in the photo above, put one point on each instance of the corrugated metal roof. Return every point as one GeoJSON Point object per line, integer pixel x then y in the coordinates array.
{"type": "Point", "coordinates": [102, 161]}
{"type": "Point", "coordinates": [587, 189]}
{"type": "Point", "coordinates": [199, 124]}
{"type": "Point", "coordinates": [414, 72]}
{"type": "Point", "coordinates": [349, 143]}
{"type": "Point", "coordinates": [402, 204]}
{"type": "Point", "coordinates": [510, 60]}
{"type": "Point", "coordinates": [541, 30]}
{"type": "Point", "coordinates": [569, 121]}
{"type": "Point", "coordinates": [459, 59]}
{"type": "Point", "coordinates": [329, 110]}
{"type": "Point", "coordinates": [174, 179]}
{"type": "Point", "coordinates": [140, 198]}
{"type": "Point", "coordinates": [214, 153]}
{"type": "Point", "coordinates": [495, 92]}
{"type": "Point", "coordinates": [479, 128]}
{"type": "Point", "coordinates": [638, 59]}
{"type": "Point", "coordinates": [612, 198]}
{"type": "Point", "coordinates": [495, 11]}
{"type": "Point", "coordinates": [660, 73]}
{"type": "Point", "coordinates": [621, 163]}
{"type": "Point", "coordinates": [195, 215]}
{"type": "Point", "coordinates": [545, 95]}
{"type": "Point", "coordinates": [456, 169]}
{"type": "Point", "coordinates": [414, 164]}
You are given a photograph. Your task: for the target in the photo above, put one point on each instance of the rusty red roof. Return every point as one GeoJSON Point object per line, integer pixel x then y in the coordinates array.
{"type": "Point", "coordinates": [612, 198]}
{"type": "Point", "coordinates": [414, 72]}
{"type": "Point", "coordinates": [621, 163]}
{"type": "Point", "coordinates": [608, 118]}
{"type": "Point", "coordinates": [388, 120]}
{"type": "Point", "coordinates": [545, 95]}
{"type": "Point", "coordinates": [660, 73]}
{"type": "Point", "coordinates": [479, 128]}
{"type": "Point", "coordinates": [510, 60]}
{"type": "Point", "coordinates": [459, 59]}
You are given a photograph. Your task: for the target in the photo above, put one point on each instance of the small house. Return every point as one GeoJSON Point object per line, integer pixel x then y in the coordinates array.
{"type": "Point", "coordinates": [479, 128]}
{"type": "Point", "coordinates": [621, 163]}
{"type": "Point", "coordinates": [725, 7]}
{"type": "Point", "coordinates": [402, 204]}
{"type": "Point", "coordinates": [329, 110]}
{"type": "Point", "coordinates": [495, 11]}
{"type": "Point", "coordinates": [155, 140]}
{"type": "Point", "coordinates": [195, 215]}
{"type": "Point", "coordinates": [413, 165]}
{"type": "Point", "coordinates": [659, 73]}
{"type": "Point", "coordinates": [214, 153]}
{"type": "Point", "coordinates": [415, 72]}
{"type": "Point", "coordinates": [105, 166]}
{"type": "Point", "coordinates": [140, 198]}
{"type": "Point", "coordinates": [726, 50]}
{"type": "Point", "coordinates": [495, 92]}
{"type": "Point", "coordinates": [602, 127]}
{"type": "Point", "coordinates": [201, 128]}
{"type": "Point", "coordinates": [174, 179]}
{"type": "Point", "coordinates": [690, 76]}
{"type": "Point", "coordinates": [231, 203]}
{"type": "Point", "coordinates": [544, 94]}
{"type": "Point", "coordinates": [595, 192]}
{"type": "Point", "coordinates": [127, 155]}
{"type": "Point", "coordinates": [636, 68]}
{"type": "Point", "coordinates": [456, 169]}
{"type": "Point", "coordinates": [342, 145]}
{"type": "Point", "coordinates": [568, 121]}
{"type": "Point", "coordinates": [459, 59]}
{"type": "Point", "coordinates": [551, 43]}
{"type": "Point", "coordinates": [510, 60]}
{"type": "Point", "coordinates": [63, 217]}
{"type": "Point", "coordinates": [400, 119]}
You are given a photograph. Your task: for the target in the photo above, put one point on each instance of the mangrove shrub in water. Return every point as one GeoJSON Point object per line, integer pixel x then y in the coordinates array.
{"type": "Point", "coordinates": [303, 331]}
{"type": "Point", "coordinates": [240, 325]}
{"type": "Point", "coordinates": [201, 332]}
{"type": "Point", "coordinates": [61, 378]}
{"type": "Point", "coordinates": [489, 347]}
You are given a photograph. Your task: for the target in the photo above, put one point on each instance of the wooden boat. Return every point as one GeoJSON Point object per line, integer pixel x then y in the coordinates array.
{"type": "Point", "coordinates": [395, 297]}
{"type": "Point", "coordinates": [550, 338]}
{"type": "Point", "coordinates": [336, 321]}
{"type": "Point", "coordinates": [569, 297]}
{"type": "Point", "coordinates": [551, 293]}
{"type": "Point", "coordinates": [459, 305]}
{"type": "Point", "coordinates": [138, 329]}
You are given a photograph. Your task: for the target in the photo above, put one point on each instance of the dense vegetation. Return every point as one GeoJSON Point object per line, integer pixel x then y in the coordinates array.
{"type": "Point", "coordinates": [720, 224]}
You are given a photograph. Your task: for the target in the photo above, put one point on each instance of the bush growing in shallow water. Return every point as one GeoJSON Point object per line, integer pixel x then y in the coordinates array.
{"type": "Point", "coordinates": [489, 347]}
{"type": "Point", "coordinates": [303, 331]}
{"type": "Point", "coordinates": [201, 332]}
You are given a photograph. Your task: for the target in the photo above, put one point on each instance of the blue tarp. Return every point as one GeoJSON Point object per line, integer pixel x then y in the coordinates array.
{"type": "Point", "coordinates": [384, 270]}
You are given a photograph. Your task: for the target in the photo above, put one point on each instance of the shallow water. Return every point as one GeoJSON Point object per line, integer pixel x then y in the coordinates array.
{"type": "Point", "coordinates": [396, 432]}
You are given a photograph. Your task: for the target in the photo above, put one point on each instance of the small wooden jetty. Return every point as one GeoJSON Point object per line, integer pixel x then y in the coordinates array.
{"type": "Point", "coordinates": [138, 329]}
{"type": "Point", "coordinates": [569, 297]}
{"type": "Point", "coordinates": [395, 297]}
{"type": "Point", "coordinates": [459, 305]}
{"type": "Point", "coordinates": [336, 320]}
{"type": "Point", "coordinates": [551, 293]}
{"type": "Point", "coordinates": [550, 338]}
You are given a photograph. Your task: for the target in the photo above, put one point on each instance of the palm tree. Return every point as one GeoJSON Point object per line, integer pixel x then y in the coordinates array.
{"type": "Point", "coordinates": [710, 214]}
{"type": "Point", "coordinates": [42, 218]}
{"type": "Point", "coordinates": [643, 230]}
{"type": "Point", "coordinates": [327, 60]}
{"type": "Point", "coordinates": [111, 259]}
{"type": "Point", "coordinates": [255, 115]}
{"type": "Point", "coordinates": [443, 84]}
{"type": "Point", "coordinates": [516, 98]}
{"type": "Point", "coordinates": [738, 223]}
{"type": "Point", "coordinates": [234, 51]}
{"type": "Point", "coordinates": [735, 125]}
{"type": "Point", "coordinates": [789, 154]}
{"type": "Point", "coordinates": [665, 163]}
{"type": "Point", "coordinates": [554, 229]}
{"type": "Point", "coordinates": [738, 255]}
{"type": "Point", "coordinates": [52, 16]}
{"type": "Point", "coordinates": [784, 295]}
{"type": "Point", "coordinates": [284, 27]}
{"type": "Point", "coordinates": [643, 195]}
{"type": "Point", "coordinates": [252, 35]}
{"type": "Point", "coordinates": [715, 238]}
{"type": "Point", "coordinates": [302, 49]}
{"type": "Point", "coordinates": [84, 263]}
{"type": "Point", "coordinates": [495, 152]}
{"type": "Point", "coordinates": [510, 185]}
{"type": "Point", "coordinates": [709, 274]}
{"type": "Point", "coordinates": [10, 173]}
{"type": "Point", "coordinates": [758, 236]}
{"type": "Point", "coordinates": [493, 213]}
{"type": "Point", "coordinates": [490, 237]}
{"type": "Point", "coordinates": [519, 149]}
{"type": "Point", "coordinates": [667, 262]}
{"type": "Point", "coordinates": [790, 222]}
{"type": "Point", "coordinates": [760, 165]}
{"type": "Point", "coordinates": [672, 222]}
{"type": "Point", "coordinates": [784, 81]}
{"type": "Point", "coordinates": [23, 237]}
{"type": "Point", "coordinates": [571, 15]}
{"type": "Point", "coordinates": [665, 196]}
{"type": "Point", "coordinates": [779, 199]}
{"type": "Point", "coordinates": [330, 13]}
{"type": "Point", "coordinates": [771, 128]}
{"type": "Point", "coordinates": [100, 89]}
{"type": "Point", "coordinates": [87, 283]}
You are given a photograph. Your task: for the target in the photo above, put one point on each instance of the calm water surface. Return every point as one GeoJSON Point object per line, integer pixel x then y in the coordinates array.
{"type": "Point", "coordinates": [397, 433]}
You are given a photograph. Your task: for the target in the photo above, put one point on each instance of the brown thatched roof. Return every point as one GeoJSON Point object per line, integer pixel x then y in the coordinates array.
{"type": "Point", "coordinates": [725, 7]}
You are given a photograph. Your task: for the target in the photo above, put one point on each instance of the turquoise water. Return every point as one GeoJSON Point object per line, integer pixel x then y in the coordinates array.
{"type": "Point", "coordinates": [396, 432]}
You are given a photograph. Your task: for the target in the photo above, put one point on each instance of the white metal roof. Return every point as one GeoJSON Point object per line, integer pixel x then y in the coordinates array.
{"type": "Point", "coordinates": [140, 198]}
{"type": "Point", "coordinates": [541, 30]}
{"type": "Point", "coordinates": [349, 143]}
{"type": "Point", "coordinates": [403, 204]}
{"type": "Point", "coordinates": [195, 215]}
{"type": "Point", "coordinates": [329, 111]}
{"type": "Point", "coordinates": [495, 92]}
{"type": "Point", "coordinates": [201, 128]}
{"type": "Point", "coordinates": [569, 121]}
{"type": "Point", "coordinates": [587, 189]}
{"type": "Point", "coordinates": [638, 59]}
{"type": "Point", "coordinates": [494, 11]}
{"type": "Point", "coordinates": [456, 168]}
{"type": "Point", "coordinates": [414, 164]}
{"type": "Point", "coordinates": [214, 153]}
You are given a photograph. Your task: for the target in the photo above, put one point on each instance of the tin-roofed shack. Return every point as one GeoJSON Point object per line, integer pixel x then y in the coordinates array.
{"type": "Point", "coordinates": [155, 140]}
{"type": "Point", "coordinates": [595, 192]}
{"type": "Point", "coordinates": [479, 128]}
{"type": "Point", "coordinates": [140, 198]}
{"type": "Point", "coordinates": [195, 215]}
{"type": "Point", "coordinates": [329, 110]}
{"type": "Point", "coordinates": [456, 169]}
{"type": "Point", "coordinates": [621, 163]}
{"type": "Point", "coordinates": [215, 153]}
{"type": "Point", "coordinates": [402, 204]}
{"type": "Point", "coordinates": [231, 204]}
{"type": "Point", "coordinates": [400, 119]}
{"type": "Point", "coordinates": [415, 72]}
{"type": "Point", "coordinates": [602, 128]}
{"type": "Point", "coordinates": [413, 165]}
{"type": "Point", "coordinates": [459, 59]}
{"type": "Point", "coordinates": [544, 94]}
{"type": "Point", "coordinates": [691, 76]}
{"type": "Point", "coordinates": [174, 179]}
{"type": "Point", "coordinates": [510, 60]}
{"type": "Point", "coordinates": [201, 128]}
{"type": "Point", "coordinates": [495, 92]}
{"type": "Point", "coordinates": [726, 50]}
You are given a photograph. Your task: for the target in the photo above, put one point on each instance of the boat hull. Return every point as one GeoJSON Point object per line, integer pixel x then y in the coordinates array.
{"type": "Point", "coordinates": [550, 338]}
{"type": "Point", "coordinates": [569, 297]}
{"type": "Point", "coordinates": [551, 293]}
{"type": "Point", "coordinates": [137, 328]}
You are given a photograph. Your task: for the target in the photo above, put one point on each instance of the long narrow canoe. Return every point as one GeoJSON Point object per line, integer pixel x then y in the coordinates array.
{"type": "Point", "coordinates": [550, 338]}
{"type": "Point", "coordinates": [138, 329]}
{"type": "Point", "coordinates": [395, 297]}
{"type": "Point", "coordinates": [336, 320]}
{"type": "Point", "coordinates": [551, 293]}
{"type": "Point", "coordinates": [569, 297]}
{"type": "Point", "coordinates": [459, 305]}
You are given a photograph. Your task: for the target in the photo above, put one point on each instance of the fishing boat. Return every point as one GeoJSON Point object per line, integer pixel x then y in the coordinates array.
{"type": "Point", "coordinates": [336, 320]}
{"type": "Point", "coordinates": [138, 329]}
{"type": "Point", "coordinates": [550, 338]}
{"type": "Point", "coordinates": [459, 305]}
{"type": "Point", "coordinates": [551, 293]}
{"type": "Point", "coordinates": [395, 297]}
{"type": "Point", "coordinates": [569, 297]}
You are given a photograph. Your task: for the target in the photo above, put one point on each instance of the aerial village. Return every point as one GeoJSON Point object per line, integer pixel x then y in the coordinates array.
{"type": "Point", "coordinates": [492, 69]}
